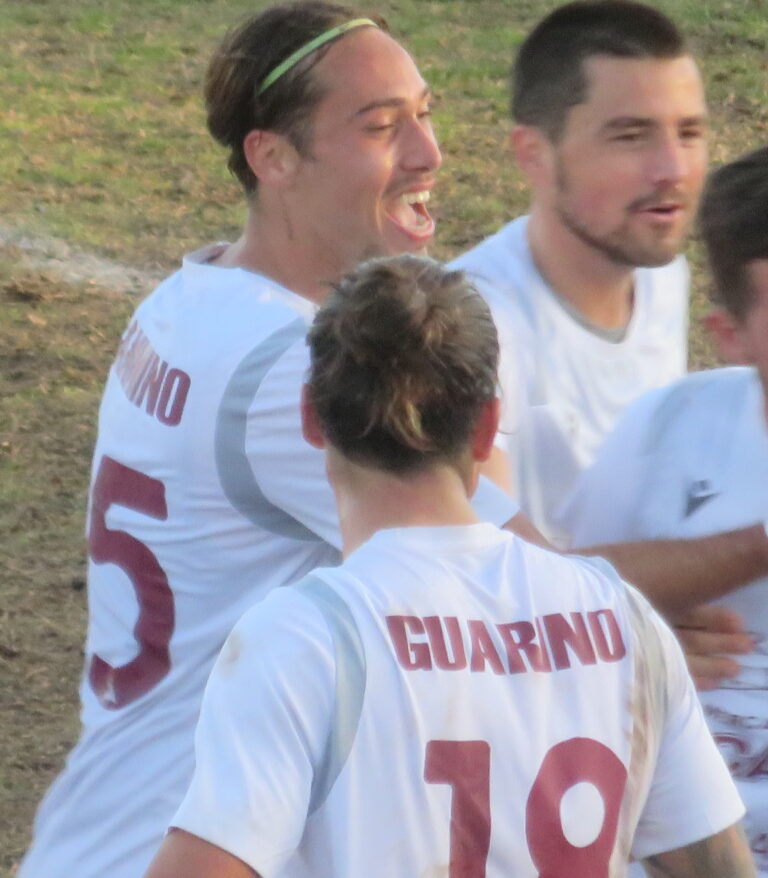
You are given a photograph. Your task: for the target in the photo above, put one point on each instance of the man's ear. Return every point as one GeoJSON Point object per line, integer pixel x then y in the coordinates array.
{"type": "Point", "coordinates": [532, 151]}
{"type": "Point", "coordinates": [728, 337]}
{"type": "Point", "coordinates": [272, 157]}
{"type": "Point", "coordinates": [310, 426]}
{"type": "Point", "coordinates": [486, 427]}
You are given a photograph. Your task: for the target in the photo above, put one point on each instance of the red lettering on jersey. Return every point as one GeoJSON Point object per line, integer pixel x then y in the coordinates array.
{"type": "Point", "coordinates": [413, 656]}
{"type": "Point", "coordinates": [561, 635]}
{"type": "Point", "coordinates": [137, 360]}
{"type": "Point", "coordinates": [172, 397]}
{"type": "Point", "coordinates": [576, 760]}
{"type": "Point", "coordinates": [482, 649]}
{"type": "Point", "coordinates": [122, 351]}
{"type": "Point", "coordinates": [439, 647]}
{"type": "Point", "coordinates": [466, 767]}
{"type": "Point", "coordinates": [521, 636]}
{"type": "Point", "coordinates": [544, 644]}
{"type": "Point", "coordinates": [116, 686]}
{"type": "Point", "coordinates": [606, 635]}
{"type": "Point", "coordinates": [144, 376]}
{"type": "Point", "coordinates": [759, 768]}
{"type": "Point", "coordinates": [151, 382]}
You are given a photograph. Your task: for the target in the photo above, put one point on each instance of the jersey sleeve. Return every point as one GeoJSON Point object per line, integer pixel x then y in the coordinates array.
{"type": "Point", "coordinates": [601, 507]}
{"type": "Point", "coordinates": [291, 473]}
{"type": "Point", "coordinates": [263, 726]}
{"type": "Point", "coordinates": [692, 795]}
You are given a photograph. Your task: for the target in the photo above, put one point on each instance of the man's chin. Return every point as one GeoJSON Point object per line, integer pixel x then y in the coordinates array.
{"type": "Point", "coordinates": [656, 257]}
{"type": "Point", "coordinates": [653, 251]}
{"type": "Point", "coordinates": [643, 254]}
{"type": "Point", "coordinates": [627, 246]}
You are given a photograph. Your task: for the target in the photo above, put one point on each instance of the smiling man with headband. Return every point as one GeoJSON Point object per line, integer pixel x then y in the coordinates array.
{"type": "Point", "coordinates": [204, 496]}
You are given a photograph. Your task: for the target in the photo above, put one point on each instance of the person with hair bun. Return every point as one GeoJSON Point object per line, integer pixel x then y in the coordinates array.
{"type": "Point", "coordinates": [451, 700]}
{"type": "Point", "coordinates": [204, 496]}
{"type": "Point", "coordinates": [404, 360]}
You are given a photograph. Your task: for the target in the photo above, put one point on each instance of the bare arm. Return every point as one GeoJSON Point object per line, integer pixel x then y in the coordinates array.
{"type": "Point", "coordinates": [184, 854]}
{"type": "Point", "coordinates": [680, 576]}
{"type": "Point", "coordinates": [709, 634]}
{"type": "Point", "coordinates": [725, 855]}
{"type": "Point", "coordinates": [676, 575]}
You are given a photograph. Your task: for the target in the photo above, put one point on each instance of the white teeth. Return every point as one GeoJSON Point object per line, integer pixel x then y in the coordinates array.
{"type": "Point", "coordinates": [421, 197]}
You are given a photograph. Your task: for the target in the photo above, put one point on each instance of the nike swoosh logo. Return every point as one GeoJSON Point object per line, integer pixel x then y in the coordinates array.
{"type": "Point", "coordinates": [695, 501]}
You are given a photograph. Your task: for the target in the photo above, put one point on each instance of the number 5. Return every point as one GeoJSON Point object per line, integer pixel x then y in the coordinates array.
{"type": "Point", "coordinates": [118, 484]}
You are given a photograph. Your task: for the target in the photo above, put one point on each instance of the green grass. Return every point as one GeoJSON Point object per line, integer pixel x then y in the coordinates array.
{"type": "Point", "coordinates": [104, 146]}
{"type": "Point", "coordinates": [106, 132]}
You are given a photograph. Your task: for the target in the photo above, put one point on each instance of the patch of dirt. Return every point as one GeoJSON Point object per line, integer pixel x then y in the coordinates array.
{"type": "Point", "coordinates": [60, 261]}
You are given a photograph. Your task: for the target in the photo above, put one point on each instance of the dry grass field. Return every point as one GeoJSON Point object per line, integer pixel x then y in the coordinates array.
{"type": "Point", "coordinates": [104, 154]}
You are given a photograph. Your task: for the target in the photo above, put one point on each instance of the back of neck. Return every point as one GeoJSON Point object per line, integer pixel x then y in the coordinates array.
{"type": "Point", "coordinates": [370, 500]}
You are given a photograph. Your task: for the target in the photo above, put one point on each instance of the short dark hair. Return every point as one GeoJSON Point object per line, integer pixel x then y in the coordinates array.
{"type": "Point", "coordinates": [404, 355]}
{"type": "Point", "coordinates": [247, 55]}
{"type": "Point", "coordinates": [548, 76]}
{"type": "Point", "coordinates": [733, 219]}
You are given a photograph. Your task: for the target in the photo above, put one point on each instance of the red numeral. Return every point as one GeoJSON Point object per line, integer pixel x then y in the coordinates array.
{"type": "Point", "coordinates": [574, 761]}
{"type": "Point", "coordinates": [465, 765]}
{"type": "Point", "coordinates": [120, 485]}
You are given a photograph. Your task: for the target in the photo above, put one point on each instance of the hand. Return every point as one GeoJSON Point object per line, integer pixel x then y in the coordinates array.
{"type": "Point", "coordinates": [709, 636]}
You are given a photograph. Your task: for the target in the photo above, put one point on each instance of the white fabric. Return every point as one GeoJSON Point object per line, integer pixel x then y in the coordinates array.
{"type": "Point", "coordinates": [577, 383]}
{"type": "Point", "coordinates": [212, 498]}
{"type": "Point", "coordinates": [313, 742]}
{"type": "Point", "coordinates": [688, 461]}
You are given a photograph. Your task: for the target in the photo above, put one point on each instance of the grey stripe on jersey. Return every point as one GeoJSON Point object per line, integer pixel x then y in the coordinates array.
{"type": "Point", "coordinates": [235, 473]}
{"type": "Point", "coordinates": [649, 708]}
{"type": "Point", "coordinates": [350, 684]}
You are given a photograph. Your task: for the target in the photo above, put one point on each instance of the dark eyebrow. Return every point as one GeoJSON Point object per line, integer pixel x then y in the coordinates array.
{"type": "Point", "coordinates": [387, 103]}
{"type": "Point", "coordinates": [621, 123]}
{"type": "Point", "coordinates": [695, 120]}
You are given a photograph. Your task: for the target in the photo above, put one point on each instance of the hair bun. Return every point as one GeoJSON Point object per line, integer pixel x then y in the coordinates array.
{"type": "Point", "coordinates": [404, 353]}
{"type": "Point", "coordinates": [390, 317]}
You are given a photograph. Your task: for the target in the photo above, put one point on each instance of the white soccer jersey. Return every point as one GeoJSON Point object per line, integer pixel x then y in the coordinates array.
{"type": "Point", "coordinates": [577, 382]}
{"type": "Point", "coordinates": [688, 461]}
{"type": "Point", "coordinates": [453, 701]}
{"type": "Point", "coordinates": [204, 497]}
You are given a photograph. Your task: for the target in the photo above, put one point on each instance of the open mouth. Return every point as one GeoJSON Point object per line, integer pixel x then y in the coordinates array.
{"type": "Point", "coordinates": [410, 212]}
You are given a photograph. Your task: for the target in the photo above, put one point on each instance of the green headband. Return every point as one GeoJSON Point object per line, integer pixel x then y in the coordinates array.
{"type": "Point", "coordinates": [318, 41]}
